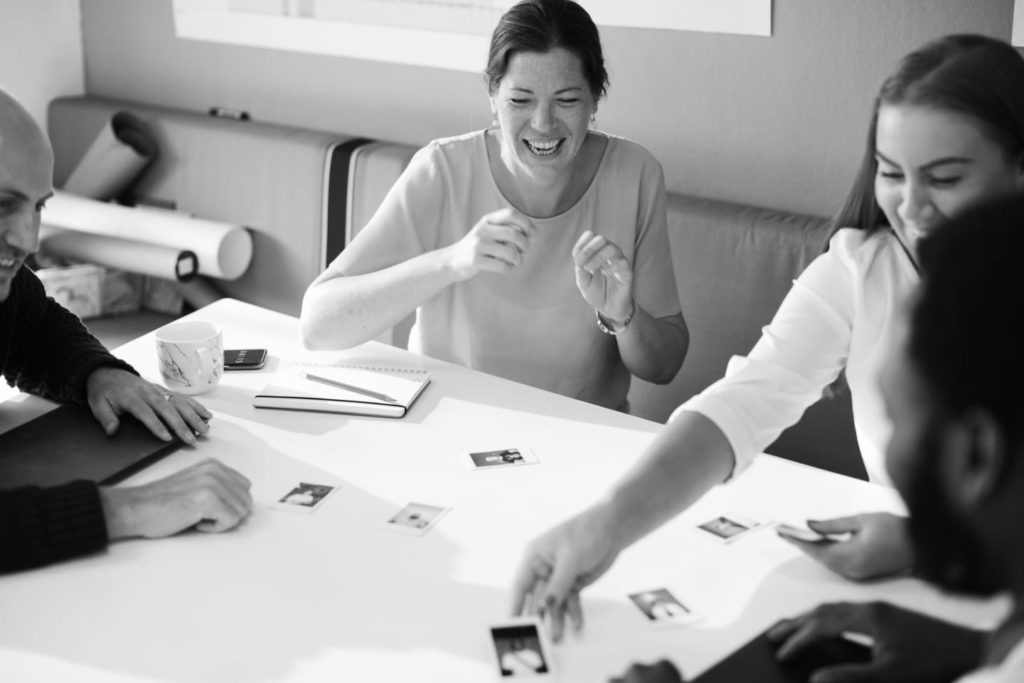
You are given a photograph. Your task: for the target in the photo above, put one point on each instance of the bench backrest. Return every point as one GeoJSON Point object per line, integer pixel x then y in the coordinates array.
{"type": "Point", "coordinates": [734, 264]}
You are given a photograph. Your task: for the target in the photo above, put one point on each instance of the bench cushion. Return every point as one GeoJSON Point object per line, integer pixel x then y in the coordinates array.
{"type": "Point", "coordinates": [734, 264]}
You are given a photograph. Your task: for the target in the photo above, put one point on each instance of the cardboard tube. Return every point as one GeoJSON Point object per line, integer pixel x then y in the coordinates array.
{"type": "Point", "coordinates": [122, 148]}
{"type": "Point", "coordinates": [136, 257]}
{"type": "Point", "coordinates": [224, 250]}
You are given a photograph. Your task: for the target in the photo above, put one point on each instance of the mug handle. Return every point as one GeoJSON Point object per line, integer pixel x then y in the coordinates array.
{"type": "Point", "coordinates": [208, 361]}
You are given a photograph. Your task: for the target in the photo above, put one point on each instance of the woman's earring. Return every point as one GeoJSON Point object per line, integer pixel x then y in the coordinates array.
{"type": "Point", "coordinates": [593, 120]}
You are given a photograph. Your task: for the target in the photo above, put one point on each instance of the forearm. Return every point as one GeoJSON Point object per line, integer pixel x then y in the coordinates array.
{"type": "Point", "coordinates": [688, 457]}
{"type": "Point", "coordinates": [51, 353]}
{"type": "Point", "coordinates": [40, 526]}
{"type": "Point", "coordinates": [340, 311]}
{"type": "Point", "coordinates": [654, 348]}
{"type": "Point", "coordinates": [119, 512]}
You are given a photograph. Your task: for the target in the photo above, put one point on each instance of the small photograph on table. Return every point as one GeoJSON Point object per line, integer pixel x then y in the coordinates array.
{"type": "Point", "coordinates": [505, 457]}
{"type": "Point", "coordinates": [416, 518]}
{"type": "Point", "coordinates": [304, 497]}
{"type": "Point", "coordinates": [661, 607]}
{"type": "Point", "coordinates": [728, 528]}
{"type": "Point", "coordinates": [520, 652]}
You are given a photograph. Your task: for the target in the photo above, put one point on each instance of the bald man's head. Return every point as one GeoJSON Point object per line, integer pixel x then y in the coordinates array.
{"type": "Point", "coordinates": [26, 181]}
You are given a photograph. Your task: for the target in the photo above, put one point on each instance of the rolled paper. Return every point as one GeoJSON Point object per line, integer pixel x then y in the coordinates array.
{"type": "Point", "coordinates": [224, 250]}
{"type": "Point", "coordinates": [122, 148]}
{"type": "Point", "coordinates": [156, 260]}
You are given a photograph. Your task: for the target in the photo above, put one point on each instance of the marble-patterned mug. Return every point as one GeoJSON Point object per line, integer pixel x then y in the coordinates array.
{"type": "Point", "coordinates": [191, 355]}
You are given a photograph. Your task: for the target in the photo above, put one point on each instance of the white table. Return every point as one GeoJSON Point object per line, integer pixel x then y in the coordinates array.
{"type": "Point", "coordinates": [334, 596]}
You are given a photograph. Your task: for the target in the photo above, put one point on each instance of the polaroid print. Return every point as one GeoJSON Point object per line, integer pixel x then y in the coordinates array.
{"type": "Point", "coordinates": [662, 608]}
{"type": "Point", "coordinates": [416, 518]}
{"type": "Point", "coordinates": [304, 497]}
{"type": "Point", "coordinates": [728, 528]}
{"type": "Point", "coordinates": [498, 459]}
{"type": "Point", "coordinates": [521, 651]}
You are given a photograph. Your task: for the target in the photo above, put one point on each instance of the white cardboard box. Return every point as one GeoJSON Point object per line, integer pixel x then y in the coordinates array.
{"type": "Point", "coordinates": [76, 288]}
{"type": "Point", "coordinates": [90, 291]}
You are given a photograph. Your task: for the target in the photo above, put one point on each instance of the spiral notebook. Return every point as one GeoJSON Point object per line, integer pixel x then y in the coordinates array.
{"type": "Point", "coordinates": [350, 389]}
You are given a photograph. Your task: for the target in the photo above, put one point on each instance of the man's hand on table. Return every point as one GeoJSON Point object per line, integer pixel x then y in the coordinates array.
{"type": "Point", "coordinates": [208, 496]}
{"type": "Point", "coordinates": [111, 392]}
{"type": "Point", "coordinates": [559, 564]}
{"type": "Point", "coordinates": [659, 672]}
{"type": "Point", "coordinates": [879, 545]}
{"type": "Point", "coordinates": [907, 646]}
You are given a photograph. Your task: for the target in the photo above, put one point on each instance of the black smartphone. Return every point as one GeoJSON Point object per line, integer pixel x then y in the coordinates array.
{"type": "Point", "coordinates": [244, 359]}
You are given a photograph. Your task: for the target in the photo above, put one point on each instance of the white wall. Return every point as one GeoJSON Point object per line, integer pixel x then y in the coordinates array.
{"type": "Point", "coordinates": [777, 122]}
{"type": "Point", "coordinates": [41, 51]}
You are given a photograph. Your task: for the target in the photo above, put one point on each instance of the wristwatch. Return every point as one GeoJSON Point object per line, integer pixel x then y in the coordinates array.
{"type": "Point", "coordinates": [611, 328]}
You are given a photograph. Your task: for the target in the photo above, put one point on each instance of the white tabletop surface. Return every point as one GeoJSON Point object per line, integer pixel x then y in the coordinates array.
{"type": "Point", "coordinates": [335, 596]}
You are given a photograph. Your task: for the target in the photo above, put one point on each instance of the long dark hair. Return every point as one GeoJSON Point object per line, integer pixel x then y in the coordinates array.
{"type": "Point", "coordinates": [541, 26]}
{"type": "Point", "coordinates": [975, 75]}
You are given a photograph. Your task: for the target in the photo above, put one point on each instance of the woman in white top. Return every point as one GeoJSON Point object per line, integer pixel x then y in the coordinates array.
{"type": "Point", "coordinates": [535, 250]}
{"type": "Point", "coordinates": [947, 131]}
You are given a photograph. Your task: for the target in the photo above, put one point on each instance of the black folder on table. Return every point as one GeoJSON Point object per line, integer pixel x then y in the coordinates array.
{"type": "Point", "coordinates": [755, 662]}
{"type": "Point", "coordinates": [68, 443]}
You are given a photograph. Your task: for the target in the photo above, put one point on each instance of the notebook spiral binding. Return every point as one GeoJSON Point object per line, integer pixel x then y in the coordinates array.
{"type": "Point", "coordinates": [370, 368]}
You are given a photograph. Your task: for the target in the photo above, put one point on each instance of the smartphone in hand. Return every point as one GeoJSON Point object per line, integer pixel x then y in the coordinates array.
{"type": "Point", "coordinates": [807, 535]}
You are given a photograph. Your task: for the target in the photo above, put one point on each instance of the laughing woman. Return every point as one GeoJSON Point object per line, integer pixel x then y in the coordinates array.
{"type": "Point", "coordinates": [536, 249]}
{"type": "Point", "coordinates": [946, 133]}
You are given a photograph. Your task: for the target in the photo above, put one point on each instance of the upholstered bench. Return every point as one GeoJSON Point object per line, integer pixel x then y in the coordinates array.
{"type": "Point", "coordinates": [734, 264]}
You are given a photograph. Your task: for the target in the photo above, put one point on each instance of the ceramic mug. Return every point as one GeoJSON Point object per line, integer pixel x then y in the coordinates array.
{"type": "Point", "coordinates": [191, 355]}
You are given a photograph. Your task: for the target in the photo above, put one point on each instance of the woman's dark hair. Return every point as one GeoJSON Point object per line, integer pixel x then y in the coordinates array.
{"type": "Point", "coordinates": [975, 75]}
{"type": "Point", "coordinates": [541, 26]}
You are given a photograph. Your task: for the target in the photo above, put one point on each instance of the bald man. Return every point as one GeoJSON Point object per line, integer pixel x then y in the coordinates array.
{"type": "Point", "coordinates": [45, 350]}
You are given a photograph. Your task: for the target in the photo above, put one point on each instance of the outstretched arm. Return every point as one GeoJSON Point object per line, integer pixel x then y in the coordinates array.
{"type": "Point", "coordinates": [686, 459]}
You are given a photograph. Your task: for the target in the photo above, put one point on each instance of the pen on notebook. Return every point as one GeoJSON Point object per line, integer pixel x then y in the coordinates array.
{"type": "Point", "coordinates": [349, 387]}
